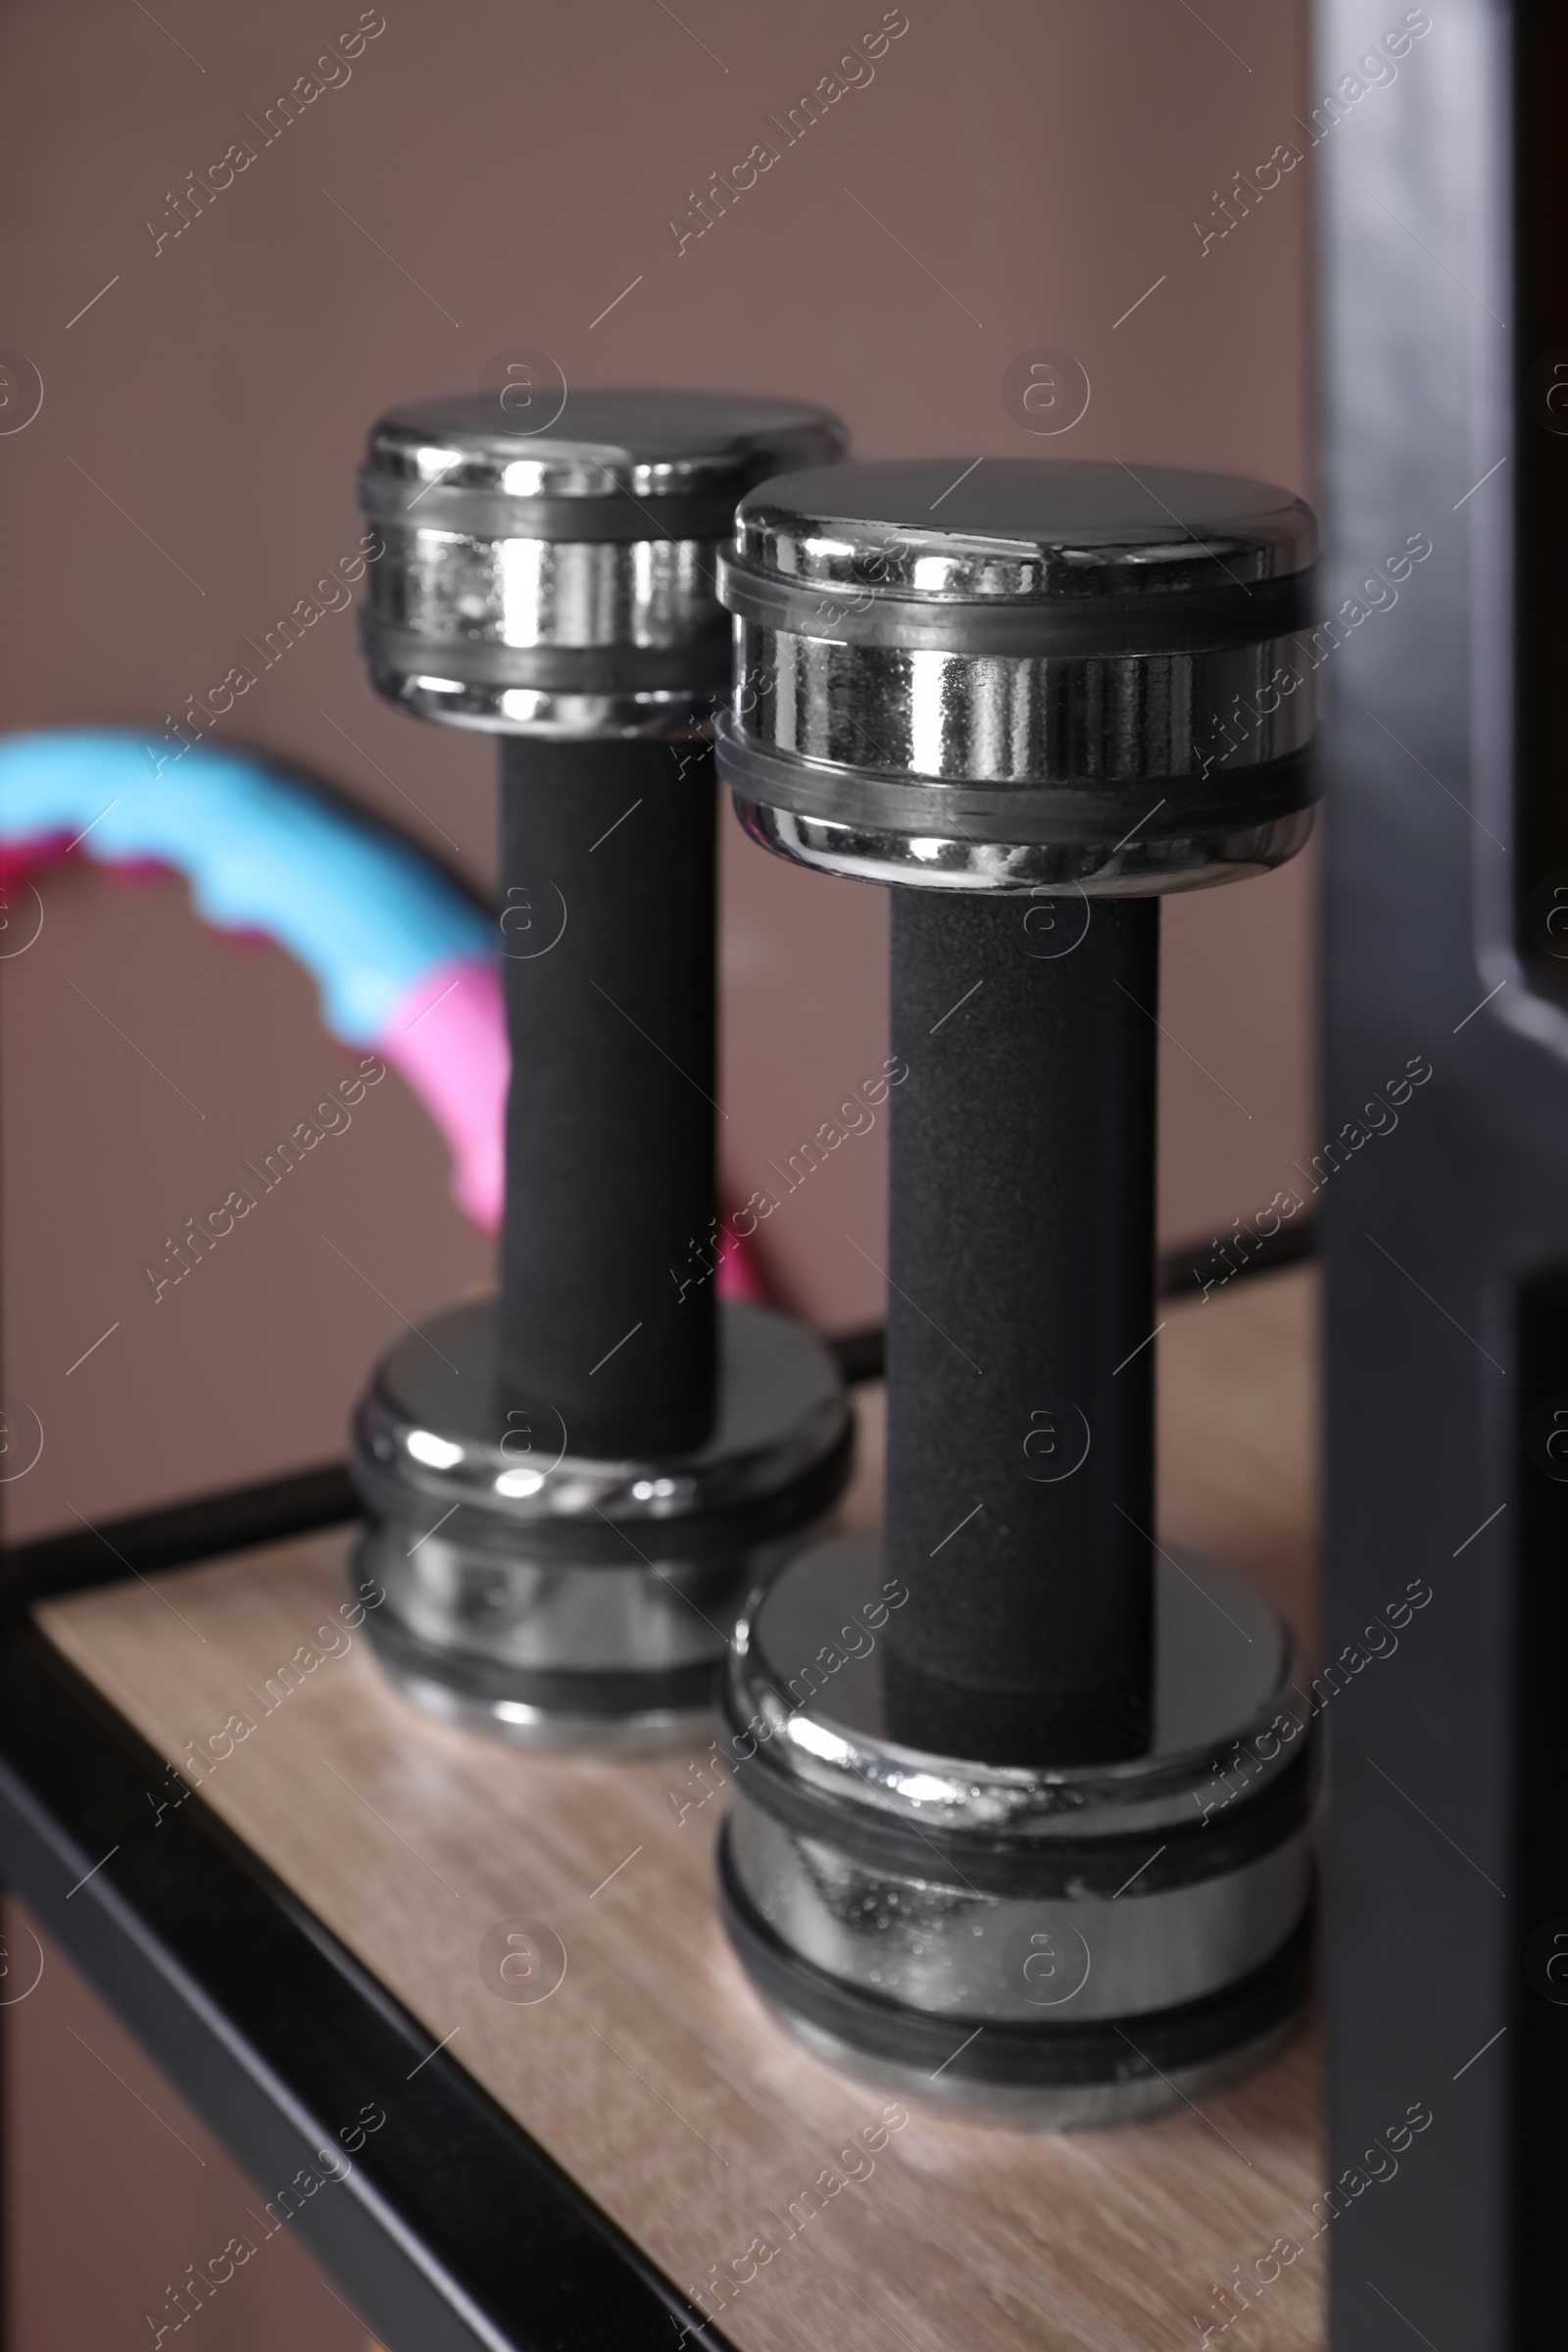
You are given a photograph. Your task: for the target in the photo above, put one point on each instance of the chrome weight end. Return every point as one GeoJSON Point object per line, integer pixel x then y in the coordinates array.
{"type": "Point", "coordinates": [560, 581]}
{"type": "Point", "coordinates": [1046, 1946]}
{"type": "Point", "coordinates": [1029, 675]}
{"type": "Point", "coordinates": [558, 1600]}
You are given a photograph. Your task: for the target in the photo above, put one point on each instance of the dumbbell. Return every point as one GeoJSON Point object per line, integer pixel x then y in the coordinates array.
{"type": "Point", "coordinates": [569, 1485]}
{"type": "Point", "coordinates": [1021, 1801]}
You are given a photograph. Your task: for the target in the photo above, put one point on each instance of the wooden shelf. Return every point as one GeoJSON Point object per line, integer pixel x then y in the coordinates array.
{"type": "Point", "coordinates": [651, 2073]}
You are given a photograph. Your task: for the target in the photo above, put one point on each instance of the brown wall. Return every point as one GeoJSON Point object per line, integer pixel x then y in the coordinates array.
{"type": "Point", "coordinates": [114, 2189]}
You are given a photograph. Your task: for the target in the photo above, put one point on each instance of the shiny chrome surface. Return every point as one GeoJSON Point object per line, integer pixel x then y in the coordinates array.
{"type": "Point", "coordinates": [428, 692]}
{"type": "Point", "coordinates": [647, 441]}
{"type": "Point", "coordinates": [544, 592]}
{"type": "Point", "coordinates": [1025, 528]}
{"type": "Point", "coordinates": [657, 1613]}
{"type": "Point", "coordinates": [435, 1431]}
{"type": "Point", "coordinates": [938, 861]}
{"type": "Point", "coordinates": [1095, 722]}
{"type": "Point", "coordinates": [446, 610]}
{"type": "Point", "coordinates": [805, 1700]}
{"type": "Point", "coordinates": [931, 1943]}
{"type": "Point", "coordinates": [496, 1543]}
{"type": "Point", "coordinates": [447, 1697]}
{"type": "Point", "coordinates": [561, 583]}
{"type": "Point", "coordinates": [1226, 1667]}
{"type": "Point", "coordinates": [1070, 679]}
{"type": "Point", "coordinates": [1057, 2107]}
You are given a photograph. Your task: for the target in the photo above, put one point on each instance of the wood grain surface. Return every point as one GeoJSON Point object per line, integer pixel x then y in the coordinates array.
{"type": "Point", "coordinates": [650, 2073]}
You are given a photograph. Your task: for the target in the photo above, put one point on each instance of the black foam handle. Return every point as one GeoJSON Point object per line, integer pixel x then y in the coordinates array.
{"type": "Point", "coordinates": [1020, 1381]}
{"type": "Point", "coordinates": [608, 1311]}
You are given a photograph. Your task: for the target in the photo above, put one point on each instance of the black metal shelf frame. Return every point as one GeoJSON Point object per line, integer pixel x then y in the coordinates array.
{"type": "Point", "coordinates": [450, 2230]}
{"type": "Point", "coordinates": [1443, 251]}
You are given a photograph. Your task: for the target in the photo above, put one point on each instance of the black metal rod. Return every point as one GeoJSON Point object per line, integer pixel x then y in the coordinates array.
{"type": "Point", "coordinates": [1021, 1382]}
{"type": "Point", "coordinates": [607, 1292]}
{"type": "Point", "coordinates": [452, 2231]}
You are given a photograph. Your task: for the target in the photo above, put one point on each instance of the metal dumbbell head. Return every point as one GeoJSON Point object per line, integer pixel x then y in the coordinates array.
{"type": "Point", "coordinates": [571, 1487]}
{"type": "Point", "coordinates": [1039, 676]}
{"type": "Point", "coordinates": [562, 582]}
{"type": "Point", "coordinates": [558, 1598]}
{"type": "Point", "coordinates": [966, 1932]}
{"type": "Point", "coordinates": [1021, 1822]}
